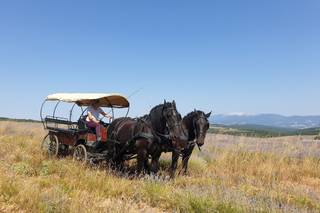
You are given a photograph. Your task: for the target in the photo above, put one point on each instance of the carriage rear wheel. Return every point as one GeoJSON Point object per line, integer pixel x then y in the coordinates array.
{"type": "Point", "coordinates": [80, 154]}
{"type": "Point", "coordinates": [50, 145]}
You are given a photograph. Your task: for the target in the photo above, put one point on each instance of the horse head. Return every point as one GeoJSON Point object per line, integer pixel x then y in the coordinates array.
{"type": "Point", "coordinates": [173, 121]}
{"type": "Point", "coordinates": [168, 121]}
{"type": "Point", "coordinates": [200, 126]}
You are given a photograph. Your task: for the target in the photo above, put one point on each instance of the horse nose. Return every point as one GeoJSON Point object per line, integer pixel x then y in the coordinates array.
{"type": "Point", "coordinates": [200, 141]}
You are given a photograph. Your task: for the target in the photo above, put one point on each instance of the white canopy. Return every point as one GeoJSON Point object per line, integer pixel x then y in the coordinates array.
{"type": "Point", "coordinates": [86, 99]}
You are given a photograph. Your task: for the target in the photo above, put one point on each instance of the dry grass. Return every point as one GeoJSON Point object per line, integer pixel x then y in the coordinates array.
{"type": "Point", "coordinates": [231, 174]}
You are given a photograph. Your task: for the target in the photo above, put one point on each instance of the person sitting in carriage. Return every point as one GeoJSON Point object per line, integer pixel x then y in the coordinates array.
{"type": "Point", "coordinates": [93, 114]}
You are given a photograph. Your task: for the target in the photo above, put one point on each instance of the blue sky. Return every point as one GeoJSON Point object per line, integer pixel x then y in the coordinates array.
{"type": "Point", "coordinates": [226, 56]}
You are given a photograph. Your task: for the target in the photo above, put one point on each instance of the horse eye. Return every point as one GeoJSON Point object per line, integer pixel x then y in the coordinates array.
{"type": "Point", "coordinates": [207, 126]}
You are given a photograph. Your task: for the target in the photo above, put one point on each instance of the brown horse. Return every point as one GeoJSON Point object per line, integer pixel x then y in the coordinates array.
{"type": "Point", "coordinates": [196, 125]}
{"type": "Point", "coordinates": [132, 138]}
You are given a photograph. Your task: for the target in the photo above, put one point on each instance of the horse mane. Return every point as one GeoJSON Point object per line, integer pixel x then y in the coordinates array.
{"type": "Point", "coordinates": [145, 117]}
{"type": "Point", "coordinates": [156, 107]}
{"type": "Point", "coordinates": [160, 105]}
{"type": "Point", "coordinates": [190, 114]}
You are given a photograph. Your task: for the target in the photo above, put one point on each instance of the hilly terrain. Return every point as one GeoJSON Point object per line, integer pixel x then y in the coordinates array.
{"type": "Point", "coordinates": [253, 130]}
{"type": "Point", "coordinates": [269, 120]}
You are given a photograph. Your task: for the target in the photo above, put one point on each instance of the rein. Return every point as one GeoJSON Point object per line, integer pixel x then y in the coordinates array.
{"type": "Point", "coordinates": [195, 131]}
{"type": "Point", "coordinates": [153, 130]}
{"type": "Point", "coordinates": [118, 127]}
{"type": "Point", "coordinates": [158, 133]}
{"type": "Point", "coordinates": [169, 127]}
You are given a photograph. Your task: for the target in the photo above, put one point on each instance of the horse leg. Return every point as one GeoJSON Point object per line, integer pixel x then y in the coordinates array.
{"type": "Point", "coordinates": [117, 161]}
{"type": "Point", "coordinates": [174, 163]}
{"type": "Point", "coordinates": [146, 164]}
{"type": "Point", "coordinates": [155, 162]}
{"type": "Point", "coordinates": [142, 155]}
{"type": "Point", "coordinates": [185, 159]}
{"type": "Point", "coordinates": [120, 165]}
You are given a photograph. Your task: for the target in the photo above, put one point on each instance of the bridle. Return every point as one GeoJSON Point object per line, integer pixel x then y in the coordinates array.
{"type": "Point", "coordinates": [196, 132]}
{"type": "Point", "coordinates": [168, 125]}
{"type": "Point", "coordinates": [195, 129]}
{"type": "Point", "coordinates": [167, 136]}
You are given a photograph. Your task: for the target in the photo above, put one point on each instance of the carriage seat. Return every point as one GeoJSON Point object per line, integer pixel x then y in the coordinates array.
{"type": "Point", "coordinates": [58, 123]}
{"type": "Point", "coordinates": [82, 125]}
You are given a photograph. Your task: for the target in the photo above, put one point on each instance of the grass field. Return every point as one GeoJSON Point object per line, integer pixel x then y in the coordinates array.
{"type": "Point", "coordinates": [253, 130]}
{"type": "Point", "coordinates": [231, 174]}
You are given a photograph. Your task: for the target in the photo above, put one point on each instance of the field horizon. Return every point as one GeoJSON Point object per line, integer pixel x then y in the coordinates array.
{"type": "Point", "coordinates": [250, 130]}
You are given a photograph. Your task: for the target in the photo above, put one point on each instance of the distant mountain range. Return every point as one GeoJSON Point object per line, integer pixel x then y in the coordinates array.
{"type": "Point", "coordinates": [271, 120]}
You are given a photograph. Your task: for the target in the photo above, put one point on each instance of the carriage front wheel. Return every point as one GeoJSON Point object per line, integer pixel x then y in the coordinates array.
{"type": "Point", "coordinates": [80, 153]}
{"type": "Point", "coordinates": [50, 145]}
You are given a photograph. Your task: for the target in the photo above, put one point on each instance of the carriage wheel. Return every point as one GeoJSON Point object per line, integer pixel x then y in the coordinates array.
{"type": "Point", "coordinates": [50, 145]}
{"type": "Point", "coordinates": [80, 153]}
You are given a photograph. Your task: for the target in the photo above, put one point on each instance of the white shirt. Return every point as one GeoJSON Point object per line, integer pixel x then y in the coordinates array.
{"type": "Point", "coordinates": [95, 112]}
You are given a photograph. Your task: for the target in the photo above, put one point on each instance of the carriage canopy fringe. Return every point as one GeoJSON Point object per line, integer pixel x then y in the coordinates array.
{"type": "Point", "coordinates": [85, 99]}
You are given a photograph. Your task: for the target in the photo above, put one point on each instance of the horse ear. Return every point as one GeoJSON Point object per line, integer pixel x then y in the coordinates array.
{"type": "Point", "coordinates": [174, 103]}
{"type": "Point", "coordinates": [208, 114]}
{"type": "Point", "coordinates": [164, 102]}
{"type": "Point", "coordinates": [195, 110]}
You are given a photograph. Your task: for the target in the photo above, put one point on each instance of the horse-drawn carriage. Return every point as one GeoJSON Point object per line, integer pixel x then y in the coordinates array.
{"type": "Point", "coordinates": [125, 138]}
{"type": "Point", "coordinates": [66, 135]}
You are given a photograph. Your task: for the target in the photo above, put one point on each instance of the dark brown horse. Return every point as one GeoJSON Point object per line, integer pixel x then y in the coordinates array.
{"type": "Point", "coordinates": [132, 138]}
{"type": "Point", "coordinates": [167, 128]}
{"type": "Point", "coordinates": [196, 125]}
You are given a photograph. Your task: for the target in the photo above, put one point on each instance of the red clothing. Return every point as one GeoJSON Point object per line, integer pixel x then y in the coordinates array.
{"type": "Point", "coordinates": [93, 124]}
